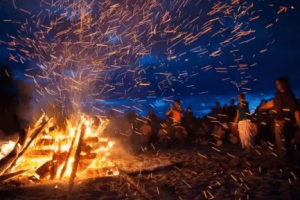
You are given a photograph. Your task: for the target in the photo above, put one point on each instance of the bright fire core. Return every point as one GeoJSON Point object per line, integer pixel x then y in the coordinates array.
{"type": "Point", "coordinates": [52, 154]}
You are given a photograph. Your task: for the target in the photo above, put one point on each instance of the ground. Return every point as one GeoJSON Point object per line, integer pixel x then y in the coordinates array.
{"type": "Point", "coordinates": [196, 173]}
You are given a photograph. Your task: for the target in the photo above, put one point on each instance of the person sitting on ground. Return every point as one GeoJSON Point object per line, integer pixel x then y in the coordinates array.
{"type": "Point", "coordinates": [219, 134]}
{"type": "Point", "coordinates": [146, 132]}
{"type": "Point", "coordinates": [163, 133]}
{"type": "Point", "coordinates": [175, 112]}
{"type": "Point", "coordinates": [180, 133]}
{"type": "Point", "coordinates": [202, 136]}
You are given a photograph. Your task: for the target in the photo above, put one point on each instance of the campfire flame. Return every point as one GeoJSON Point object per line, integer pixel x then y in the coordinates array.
{"type": "Point", "coordinates": [52, 155]}
{"type": "Point", "coordinates": [6, 148]}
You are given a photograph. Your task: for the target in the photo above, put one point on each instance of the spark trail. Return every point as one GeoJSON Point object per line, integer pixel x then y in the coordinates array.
{"type": "Point", "coordinates": [87, 49]}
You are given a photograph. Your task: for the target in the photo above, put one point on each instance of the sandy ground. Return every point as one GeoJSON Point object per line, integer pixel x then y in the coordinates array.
{"type": "Point", "coordinates": [195, 173]}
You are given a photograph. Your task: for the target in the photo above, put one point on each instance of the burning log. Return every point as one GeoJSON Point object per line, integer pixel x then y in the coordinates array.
{"type": "Point", "coordinates": [7, 161]}
{"type": "Point", "coordinates": [44, 170]}
{"type": "Point", "coordinates": [50, 167]}
{"type": "Point", "coordinates": [56, 162]}
{"type": "Point", "coordinates": [48, 142]}
{"type": "Point", "coordinates": [69, 154]}
{"type": "Point", "coordinates": [35, 135]}
{"type": "Point", "coordinates": [45, 142]}
{"type": "Point", "coordinates": [89, 156]}
{"type": "Point", "coordinates": [39, 153]}
{"type": "Point", "coordinates": [91, 140]}
{"type": "Point", "coordinates": [99, 145]}
{"type": "Point", "coordinates": [43, 151]}
{"type": "Point", "coordinates": [86, 148]}
{"type": "Point", "coordinates": [77, 157]}
{"type": "Point", "coordinates": [12, 175]}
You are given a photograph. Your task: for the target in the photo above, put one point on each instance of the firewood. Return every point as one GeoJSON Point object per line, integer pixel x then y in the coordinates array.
{"type": "Point", "coordinates": [86, 148]}
{"type": "Point", "coordinates": [45, 142]}
{"type": "Point", "coordinates": [89, 156]}
{"type": "Point", "coordinates": [39, 121]}
{"type": "Point", "coordinates": [99, 145]}
{"type": "Point", "coordinates": [69, 154]}
{"type": "Point", "coordinates": [44, 170]}
{"type": "Point", "coordinates": [34, 136]}
{"type": "Point", "coordinates": [50, 167]}
{"type": "Point", "coordinates": [54, 165]}
{"type": "Point", "coordinates": [7, 160]}
{"type": "Point", "coordinates": [77, 157]}
{"type": "Point", "coordinates": [37, 153]}
{"type": "Point", "coordinates": [91, 140]}
{"type": "Point", "coordinates": [48, 142]}
{"type": "Point", "coordinates": [12, 175]}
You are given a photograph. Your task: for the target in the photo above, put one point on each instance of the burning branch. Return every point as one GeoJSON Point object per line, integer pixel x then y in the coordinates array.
{"type": "Point", "coordinates": [7, 161]}
{"type": "Point", "coordinates": [35, 135]}
{"type": "Point", "coordinates": [77, 157]}
{"type": "Point", "coordinates": [69, 154]}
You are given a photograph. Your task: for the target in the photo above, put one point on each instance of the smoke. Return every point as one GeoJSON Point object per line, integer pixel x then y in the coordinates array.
{"type": "Point", "coordinates": [24, 108]}
{"type": "Point", "coordinates": [9, 120]}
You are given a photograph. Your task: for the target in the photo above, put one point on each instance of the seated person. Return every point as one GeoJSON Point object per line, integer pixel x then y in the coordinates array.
{"type": "Point", "coordinates": [202, 136]}
{"type": "Point", "coordinates": [163, 133]}
{"type": "Point", "coordinates": [219, 134]}
{"type": "Point", "coordinates": [146, 131]}
{"type": "Point", "coordinates": [180, 132]}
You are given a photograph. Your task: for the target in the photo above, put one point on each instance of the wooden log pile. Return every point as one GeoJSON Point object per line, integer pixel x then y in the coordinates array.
{"type": "Point", "coordinates": [32, 144]}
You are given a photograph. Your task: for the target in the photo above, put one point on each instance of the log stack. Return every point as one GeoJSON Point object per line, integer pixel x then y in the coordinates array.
{"type": "Point", "coordinates": [47, 157]}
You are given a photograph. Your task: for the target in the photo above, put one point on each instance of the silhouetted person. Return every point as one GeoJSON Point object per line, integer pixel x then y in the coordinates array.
{"type": "Point", "coordinates": [263, 123]}
{"type": "Point", "coordinates": [152, 115]}
{"type": "Point", "coordinates": [244, 123]}
{"type": "Point", "coordinates": [232, 110]}
{"type": "Point", "coordinates": [175, 112]}
{"type": "Point", "coordinates": [287, 115]}
{"type": "Point", "coordinates": [225, 110]}
{"type": "Point", "coordinates": [146, 131]}
{"type": "Point", "coordinates": [153, 122]}
{"type": "Point", "coordinates": [189, 121]}
{"type": "Point", "coordinates": [217, 110]}
{"type": "Point", "coordinates": [225, 114]}
{"type": "Point", "coordinates": [111, 114]}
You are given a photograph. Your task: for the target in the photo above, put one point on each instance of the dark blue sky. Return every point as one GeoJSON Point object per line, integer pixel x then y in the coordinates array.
{"type": "Point", "coordinates": [281, 59]}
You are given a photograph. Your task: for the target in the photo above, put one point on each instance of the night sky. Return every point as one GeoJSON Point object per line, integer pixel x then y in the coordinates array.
{"type": "Point", "coordinates": [190, 83]}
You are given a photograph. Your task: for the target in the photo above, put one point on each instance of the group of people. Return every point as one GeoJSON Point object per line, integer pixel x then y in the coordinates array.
{"type": "Point", "coordinates": [277, 120]}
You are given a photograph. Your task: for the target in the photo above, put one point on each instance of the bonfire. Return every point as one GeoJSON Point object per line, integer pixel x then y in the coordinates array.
{"type": "Point", "coordinates": [44, 151]}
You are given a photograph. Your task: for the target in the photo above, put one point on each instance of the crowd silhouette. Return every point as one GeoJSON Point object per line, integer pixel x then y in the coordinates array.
{"type": "Point", "coordinates": [275, 122]}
